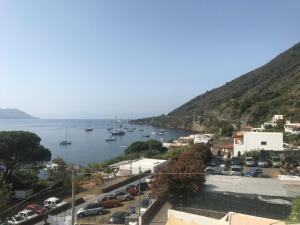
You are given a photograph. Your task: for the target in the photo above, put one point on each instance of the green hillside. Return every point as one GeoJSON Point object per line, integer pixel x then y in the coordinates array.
{"type": "Point", "coordinates": [251, 98]}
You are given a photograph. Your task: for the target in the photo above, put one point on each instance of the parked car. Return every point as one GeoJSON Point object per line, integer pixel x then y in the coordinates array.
{"type": "Point", "coordinates": [145, 203]}
{"type": "Point", "coordinates": [236, 161]}
{"type": "Point", "coordinates": [122, 196]}
{"type": "Point", "coordinates": [109, 201]}
{"type": "Point", "coordinates": [15, 219]}
{"type": "Point", "coordinates": [249, 161]}
{"type": "Point", "coordinates": [213, 170]}
{"type": "Point", "coordinates": [275, 161]}
{"type": "Point", "coordinates": [118, 217]}
{"type": "Point", "coordinates": [53, 202]}
{"type": "Point", "coordinates": [263, 163]}
{"type": "Point", "coordinates": [90, 209]}
{"type": "Point", "coordinates": [211, 164]}
{"type": "Point", "coordinates": [144, 186]}
{"type": "Point", "coordinates": [236, 171]}
{"type": "Point", "coordinates": [149, 179]}
{"type": "Point", "coordinates": [132, 189]}
{"type": "Point", "coordinates": [36, 208]}
{"type": "Point", "coordinates": [27, 214]}
{"type": "Point", "coordinates": [255, 172]}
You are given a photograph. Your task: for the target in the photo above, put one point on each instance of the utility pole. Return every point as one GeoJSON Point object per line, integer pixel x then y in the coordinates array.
{"type": "Point", "coordinates": [139, 191]}
{"type": "Point", "coordinates": [73, 196]}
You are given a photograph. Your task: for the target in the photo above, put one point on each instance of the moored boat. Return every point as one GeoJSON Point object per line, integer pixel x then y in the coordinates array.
{"type": "Point", "coordinates": [110, 139]}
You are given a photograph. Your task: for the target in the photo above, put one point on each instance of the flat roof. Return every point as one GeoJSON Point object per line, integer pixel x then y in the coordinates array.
{"type": "Point", "coordinates": [250, 185]}
{"type": "Point", "coordinates": [145, 162]}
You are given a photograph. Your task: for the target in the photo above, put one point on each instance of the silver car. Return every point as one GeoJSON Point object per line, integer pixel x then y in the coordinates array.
{"type": "Point", "coordinates": [236, 171]}
{"type": "Point", "coordinates": [263, 163]}
{"type": "Point", "coordinates": [122, 196]}
{"type": "Point", "coordinates": [90, 209]}
{"type": "Point", "coordinates": [249, 161]}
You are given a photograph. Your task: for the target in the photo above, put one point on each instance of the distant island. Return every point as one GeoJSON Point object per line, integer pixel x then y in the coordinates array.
{"type": "Point", "coordinates": [14, 114]}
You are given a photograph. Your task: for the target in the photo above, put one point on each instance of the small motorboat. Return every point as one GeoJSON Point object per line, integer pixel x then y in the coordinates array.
{"type": "Point", "coordinates": [89, 129]}
{"type": "Point", "coordinates": [110, 139]}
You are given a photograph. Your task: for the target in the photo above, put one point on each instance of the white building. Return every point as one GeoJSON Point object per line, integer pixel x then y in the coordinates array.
{"type": "Point", "coordinates": [291, 127]}
{"type": "Point", "coordinates": [144, 164]}
{"type": "Point", "coordinates": [247, 141]}
{"type": "Point", "coordinates": [276, 118]}
{"type": "Point", "coordinates": [203, 138]}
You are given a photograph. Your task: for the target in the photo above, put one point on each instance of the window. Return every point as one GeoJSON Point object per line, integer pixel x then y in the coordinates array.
{"type": "Point", "coordinates": [263, 143]}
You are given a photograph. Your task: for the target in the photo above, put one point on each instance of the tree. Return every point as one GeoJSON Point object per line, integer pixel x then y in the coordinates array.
{"type": "Point", "coordinates": [19, 147]}
{"type": "Point", "coordinates": [227, 129]}
{"type": "Point", "coordinates": [252, 153]}
{"type": "Point", "coordinates": [61, 173]}
{"type": "Point", "coordinates": [137, 147]}
{"type": "Point", "coordinates": [140, 146]}
{"type": "Point", "coordinates": [181, 178]}
{"type": "Point", "coordinates": [202, 151]}
{"type": "Point", "coordinates": [5, 191]}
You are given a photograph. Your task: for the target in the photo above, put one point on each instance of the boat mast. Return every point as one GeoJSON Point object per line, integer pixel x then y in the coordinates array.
{"type": "Point", "coordinates": [66, 134]}
{"type": "Point", "coordinates": [116, 123]}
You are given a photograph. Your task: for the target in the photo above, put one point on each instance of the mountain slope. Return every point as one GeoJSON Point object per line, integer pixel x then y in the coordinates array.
{"type": "Point", "coordinates": [252, 98]}
{"type": "Point", "coordinates": [13, 114]}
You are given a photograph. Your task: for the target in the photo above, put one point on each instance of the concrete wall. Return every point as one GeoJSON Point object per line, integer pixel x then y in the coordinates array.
{"type": "Point", "coordinates": [183, 218]}
{"type": "Point", "coordinates": [253, 141]}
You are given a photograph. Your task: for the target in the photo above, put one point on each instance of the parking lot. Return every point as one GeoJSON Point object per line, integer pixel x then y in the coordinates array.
{"type": "Point", "coordinates": [103, 219]}
{"type": "Point", "coordinates": [237, 167]}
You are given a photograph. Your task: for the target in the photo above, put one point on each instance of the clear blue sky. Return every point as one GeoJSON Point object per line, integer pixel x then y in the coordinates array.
{"type": "Point", "coordinates": [96, 58]}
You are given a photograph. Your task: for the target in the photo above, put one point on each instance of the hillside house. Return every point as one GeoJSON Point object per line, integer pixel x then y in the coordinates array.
{"type": "Point", "coordinates": [247, 141]}
{"type": "Point", "coordinates": [276, 118]}
{"type": "Point", "coordinates": [291, 127]}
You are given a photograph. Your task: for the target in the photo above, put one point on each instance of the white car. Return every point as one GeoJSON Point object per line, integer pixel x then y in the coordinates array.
{"type": "Point", "coordinates": [149, 179]}
{"type": "Point", "coordinates": [53, 202]}
{"type": "Point", "coordinates": [15, 219]}
{"type": "Point", "coordinates": [27, 214]}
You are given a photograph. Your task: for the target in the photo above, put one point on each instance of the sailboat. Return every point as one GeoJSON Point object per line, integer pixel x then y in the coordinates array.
{"type": "Point", "coordinates": [66, 142]}
{"type": "Point", "coordinates": [109, 128]}
{"type": "Point", "coordinates": [116, 131]}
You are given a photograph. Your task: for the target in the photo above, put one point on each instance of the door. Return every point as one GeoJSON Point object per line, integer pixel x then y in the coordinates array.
{"type": "Point", "coordinates": [89, 210]}
{"type": "Point", "coordinates": [120, 196]}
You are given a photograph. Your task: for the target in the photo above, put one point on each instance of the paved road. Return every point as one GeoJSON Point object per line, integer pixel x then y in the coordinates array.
{"type": "Point", "coordinates": [92, 198]}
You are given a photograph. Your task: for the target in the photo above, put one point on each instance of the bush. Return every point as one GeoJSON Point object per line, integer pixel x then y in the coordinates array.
{"type": "Point", "coordinates": [253, 153]}
{"type": "Point", "coordinates": [295, 213]}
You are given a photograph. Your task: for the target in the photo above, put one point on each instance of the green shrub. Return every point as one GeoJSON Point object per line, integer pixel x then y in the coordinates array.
{"type": "Point", "coordinates": [295, 213]}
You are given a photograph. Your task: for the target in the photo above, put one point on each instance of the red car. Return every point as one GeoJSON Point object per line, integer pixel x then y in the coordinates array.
{"type": "Point", "coordinates": [132, 190]}
{"type": "Point", "coordinates": [36, 208]}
